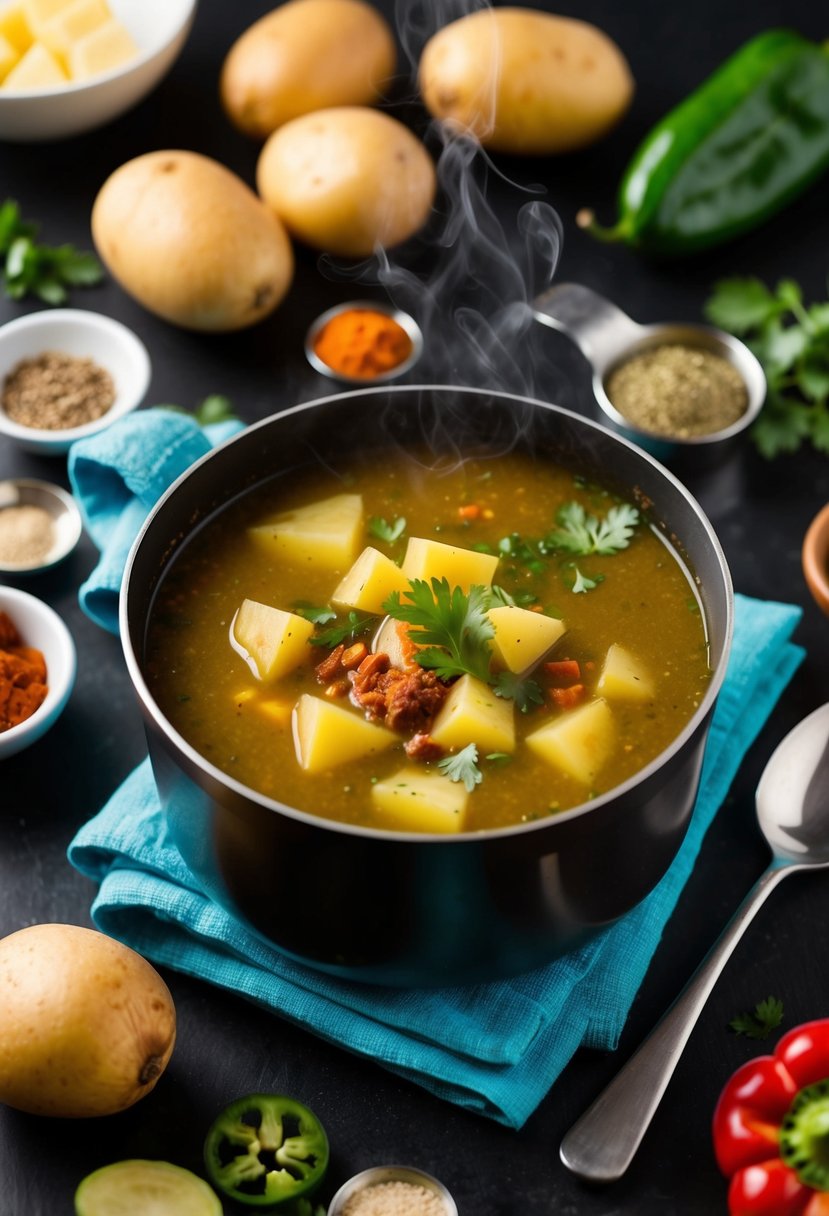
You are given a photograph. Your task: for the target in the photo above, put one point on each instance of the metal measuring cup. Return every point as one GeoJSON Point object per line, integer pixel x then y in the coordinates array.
{"type": "Point", "coordinates": [608, 337]}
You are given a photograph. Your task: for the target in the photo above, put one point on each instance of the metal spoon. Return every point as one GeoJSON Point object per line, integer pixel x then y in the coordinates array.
{"type": "Point", "coordinates": [793, 812]}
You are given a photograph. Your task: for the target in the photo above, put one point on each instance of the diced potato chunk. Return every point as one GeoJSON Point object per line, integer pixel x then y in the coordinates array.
{"type": "Point", "coordinates": [579, 742]}
{"type": "Point", "coordinates": [326, 735]}
{"type": "Point", "coordinates": [522, 638]}
{"type": "Point", "coordinates": [370, 582]}
{"type": "Point", "coordinates": [324, 533]}
{"type": "Point", "coordinates": [107, 47]}
{"type": "Point", "coordinates": [279, 712]}
{"type": "Point", "coordinates": [71, 24]}
{"type": "Point", "coordinates": [624, 678]}
{"type": "Point", "coordinates": [9, 56]}
{"type": "Point", "coordinates": [394, 639]}
{"type": "Point", "coordinates": [36, 12]}
{"type": "Point", "coordinates": [37, 69]}
{"type": "Point", "coordinates": [15, 27]}
{"type": "Point", "coordinates": [472, 713]}
{"type": "Point", "coordinates": [428, 559]}
{"type": "Point", "coordinates": [271, 642]}
{"type": "Point", "coordinates": [417, 801]}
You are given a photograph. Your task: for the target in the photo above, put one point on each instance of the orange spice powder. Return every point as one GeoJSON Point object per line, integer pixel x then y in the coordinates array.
{"type": "Point", "coordinates": [22, 676]}
{"type": "Point", "coordinates": [363, 343]}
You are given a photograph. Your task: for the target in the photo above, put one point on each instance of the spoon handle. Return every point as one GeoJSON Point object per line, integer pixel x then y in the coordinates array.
{"type": "Point", "coordinates": [602, 1143]}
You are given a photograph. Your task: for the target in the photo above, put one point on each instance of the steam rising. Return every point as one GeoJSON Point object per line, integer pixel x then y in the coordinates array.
{"type": "Point", "coordinates": [466, 281]}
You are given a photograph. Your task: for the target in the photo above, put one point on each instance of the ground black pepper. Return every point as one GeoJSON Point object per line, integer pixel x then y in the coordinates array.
{"type": "Point", "coordinates": [678, 391]}
{"type": "Point", "coordinates": [54, 391]}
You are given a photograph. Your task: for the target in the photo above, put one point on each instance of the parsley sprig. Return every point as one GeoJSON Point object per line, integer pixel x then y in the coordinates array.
{"type": "Point", "coordinates": [463, 766]}
{"type": "Point", "coordinates": [759, 1024]}
{"type": "Point", "coordinates": [453, 625]}
{"type": "Point", "coordinates": [791, 340]}
{"type": "Point", "coordinates": [45, 271]}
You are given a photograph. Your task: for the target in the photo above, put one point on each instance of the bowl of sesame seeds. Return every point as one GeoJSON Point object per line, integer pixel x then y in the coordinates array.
{"type": "Point", "coordinates": [66, 374]}
{"type": "Point", "coordinates": [392, 1190]}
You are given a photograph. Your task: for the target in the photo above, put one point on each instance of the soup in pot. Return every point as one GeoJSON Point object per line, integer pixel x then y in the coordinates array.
{"type": "Point", "coordinates": [427, 649]}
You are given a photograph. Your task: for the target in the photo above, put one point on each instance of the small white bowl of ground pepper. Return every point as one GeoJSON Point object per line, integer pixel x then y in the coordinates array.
{"type": "Point", "coordinates": [392, 1190]}
{"type": "Point", "coordinates": [66, 374]}
{"type": "Point", "coordinates": [40, 524]}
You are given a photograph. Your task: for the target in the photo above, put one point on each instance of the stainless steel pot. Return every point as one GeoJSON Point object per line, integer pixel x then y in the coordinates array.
{"type": "Point", "coordinates": [416, 909]}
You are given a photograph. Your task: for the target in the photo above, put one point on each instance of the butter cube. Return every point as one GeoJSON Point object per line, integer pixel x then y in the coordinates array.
{"type": "Point", "coordinates": [428, 559]}
{"type": "Point", "coordinates": [579, 742]}
{"type": "Point", "coordinates": [624, 678]}
{"type": "Point", "coordinates": [71, 24]}
{"type": "Point", "coordinates": [522, 638]}
{"type": "Point", "coordinates": [107, 47]}
{"type": "Point", "coordinates": [9, 56]}
{"type": "Point", "coordinates": [324, 533]}
{"type": "Point", "coordinates": [370, 582]}
{"type": "Point", "coordinates": [271, 642]}
{"type": "Point", "coordinates": [472, 713]}
{"type": "Point", "coordinates": [15, 27]}
{"type": "Point", "coordinates": [36, 69]}
{"type": "Point", "coordinates": [417, 801]}
{"type": "Point", "coordinates": [326, 735]}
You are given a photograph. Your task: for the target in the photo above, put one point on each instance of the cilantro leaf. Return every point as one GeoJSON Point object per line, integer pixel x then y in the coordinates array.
{"type": "Point", "coordinates": [383, 530]}
{"type": "Point", "coordinates": [45, 271]}
{"type": "Point", "coordinates": [740, 305]}
{"type": "Point", "coordinates": [318, 616]}
{"type": "Point", "coordinates": [348, 630]}
{"type": "Point", "coordinates": [584, 534]}
{"type": "Point", "coordinates": [215, 408]}
{"type": "Point", "coordinates": [766, 1017]}
{"type": "Point", "coordinates": [452, 624]}
{"type": "Point", "coordinates": [524, 692]}
{"type": "Point", "coordinates": [583, 584]}
{"type": "Point", "coordinates": [463, 766]}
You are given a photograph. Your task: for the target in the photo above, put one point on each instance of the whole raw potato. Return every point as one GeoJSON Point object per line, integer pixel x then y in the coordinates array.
{"type": "Point", "coordinates": [191, 241]}
{"type": "Point", "coordinates": [306, 55]}
{"type": "Point", "coordinates": [525, 82]}
{"type": "Point", "coordinates": [87, 1026]}
{"type": "Point", "coordinates": [347, 180]}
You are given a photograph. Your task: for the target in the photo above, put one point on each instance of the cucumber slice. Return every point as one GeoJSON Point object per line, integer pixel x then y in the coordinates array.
{"type": "Point", "coordinates": [151, 1188]}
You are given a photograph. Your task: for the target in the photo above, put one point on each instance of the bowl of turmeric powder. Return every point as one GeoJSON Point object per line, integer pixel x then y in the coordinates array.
{"type": "Point", "coordinates": [363, 341]}
{"type": "Point", "coordinates": [37, 669]}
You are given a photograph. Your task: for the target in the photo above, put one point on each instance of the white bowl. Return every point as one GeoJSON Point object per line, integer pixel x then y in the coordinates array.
{"type": "Point", "coordinates": [159, 27]}
{"type": "Point", "coordinates": [41, 627]}
{"type": "Point", "coordinates": [73, 331]}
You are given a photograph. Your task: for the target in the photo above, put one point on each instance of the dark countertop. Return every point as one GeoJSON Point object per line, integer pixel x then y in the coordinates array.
{"type": "Point", "coordinates": [760, 510]}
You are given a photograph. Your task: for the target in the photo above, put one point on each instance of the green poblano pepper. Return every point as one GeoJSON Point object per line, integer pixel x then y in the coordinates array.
{"type": "Point", "coordinates": [740, 147]}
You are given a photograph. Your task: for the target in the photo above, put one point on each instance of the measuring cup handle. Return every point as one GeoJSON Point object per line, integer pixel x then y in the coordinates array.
{"type": "Point", "coordinates": [599, 328]}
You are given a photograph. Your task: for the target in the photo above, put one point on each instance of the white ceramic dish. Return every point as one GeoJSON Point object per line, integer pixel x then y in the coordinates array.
{"type": "Point", "coordinates": [41, 627]}
{"type": "Point", "coordinates": [159, 27]}
{"type": "Point", "coordinates": [83, 334]}
{"type": "Point", "coordinates": [61, 506]}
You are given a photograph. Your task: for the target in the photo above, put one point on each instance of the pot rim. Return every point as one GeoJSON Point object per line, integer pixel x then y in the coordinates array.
{"type": "Point", "coordinates": [196, 761]}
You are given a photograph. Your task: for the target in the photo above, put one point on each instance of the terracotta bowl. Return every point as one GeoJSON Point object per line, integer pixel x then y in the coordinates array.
{"type": "Point", "coordinates": [815, 554]}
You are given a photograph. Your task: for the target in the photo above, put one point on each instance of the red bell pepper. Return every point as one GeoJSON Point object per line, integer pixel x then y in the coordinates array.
{"type": "Point", "coordinates": [771, 1128]}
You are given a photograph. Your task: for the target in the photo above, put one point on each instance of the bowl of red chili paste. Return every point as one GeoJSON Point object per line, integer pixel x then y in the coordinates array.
{"type": "Point", "coordinates": [37, 669]}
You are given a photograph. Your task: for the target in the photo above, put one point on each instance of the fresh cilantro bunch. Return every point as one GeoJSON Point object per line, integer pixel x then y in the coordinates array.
{"type": "Point", "coordinates": [791, 341]}
{"type": "Point", "coordinates": [45, 271]}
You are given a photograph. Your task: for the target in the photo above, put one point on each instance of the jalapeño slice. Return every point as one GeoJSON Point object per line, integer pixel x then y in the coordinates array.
{"type": "Point", "coordinates": [265, 1150]}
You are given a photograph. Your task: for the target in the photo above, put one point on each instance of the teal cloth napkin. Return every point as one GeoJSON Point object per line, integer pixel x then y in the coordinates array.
{"type": "Point", "coordinates": [117, 476]}
{"type": "Point", "coordinates": [493, 1048]}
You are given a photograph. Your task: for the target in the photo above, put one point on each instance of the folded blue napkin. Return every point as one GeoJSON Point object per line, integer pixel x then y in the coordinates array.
{"type": "Point", "coordinates": [493, 1048]}
{"type": "Point", "coordinates": [117, 476]}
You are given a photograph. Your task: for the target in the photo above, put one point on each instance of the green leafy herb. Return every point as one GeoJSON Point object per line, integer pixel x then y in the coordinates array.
{"type": "Point", "coordinates": [318, 616]}
{"type": "Point", "coordinates": [383, 530]}
{"type": "Point", "coordinates": [348, 630]}
{"type": "Point", "coordinates": [498, 757]}
{"type": "Point", "coordinates": [791, 341]}
{"type": "Point", "coordinates": [45, 271]}
{"type": "Point", "coordinates": [583, 584]}
{"type": "Point", "coordinates": [584, 534]}
{"type": "Point", "coordinates": [454, 626]}
{"type": "Point", "coordinates": [524, 692]}
{"type": "Point", "coordinates": [463, 766]}
{"type": "Point", "coordinates": [215, 408]}
{"type": "Point", "coordinates": [767, 1016]}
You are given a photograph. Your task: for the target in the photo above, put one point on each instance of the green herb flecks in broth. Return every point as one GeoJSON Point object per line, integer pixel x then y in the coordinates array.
{"type": "Point", "coordinates": [565, 549]}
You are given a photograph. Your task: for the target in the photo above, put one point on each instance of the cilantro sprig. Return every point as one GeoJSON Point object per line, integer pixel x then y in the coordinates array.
{"type": "Point", "coordinates": [385, 530]}
{"type": "Point", "coordinates": [463, 766]}
{"type": "Point", "coordinates": [791, 340]}
{"type": "Point", "coordinates": [45, 271]}
{"type": "Point", "coordinates": [583, 534]}
{"type": "Point", "coordinates": [347, 629]}
{"type": "Point", "coordinates": [759, 1024]}
{"type": "Point", "coordinates": [452, 624]}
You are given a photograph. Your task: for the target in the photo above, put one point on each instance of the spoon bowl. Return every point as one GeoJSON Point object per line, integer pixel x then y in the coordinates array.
{"type": "Point", "coordinates": [793, 814]}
